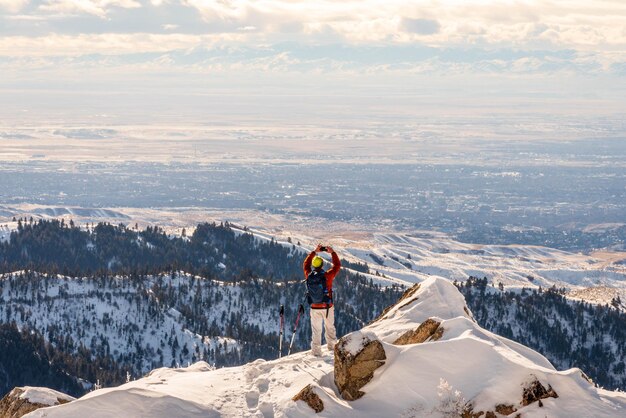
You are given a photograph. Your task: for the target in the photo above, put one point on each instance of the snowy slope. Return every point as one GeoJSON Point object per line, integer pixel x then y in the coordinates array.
{"type": "Point", "coordinates": [467, 367]}
{"type": "Point", "coordinates": [415, 257]}
{"type": "Point", "coordinates": [113, 316]}
{"type": "Point", "coordinates": [431, 253]}
{"type": "Point", "coordinates": [401, 258]}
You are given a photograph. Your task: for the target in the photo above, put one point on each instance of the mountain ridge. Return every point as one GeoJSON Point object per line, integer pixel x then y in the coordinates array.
{"type": "Point", "coordinates": [234, 305]}
{"type": "Point", "coordinates": [467, 370]}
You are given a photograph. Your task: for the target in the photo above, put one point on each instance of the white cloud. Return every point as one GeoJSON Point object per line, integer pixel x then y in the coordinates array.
{"type": "Point", "coordinates": [226, 9]}
{"type": "Point", "coordinates": [445, 21]}
{"type": "Point", "coordinates": [420, 26]}
{"type": "Point", "coordinates": [576, 24]}
{"type": "Point", "coordinates": [93, 7]}
{"type": "Point", "coordinates": [12, 6]}
{"type": "Point", "coordinates": [590, 29]}
{"type": "Point", "coordinates": [107, 44]}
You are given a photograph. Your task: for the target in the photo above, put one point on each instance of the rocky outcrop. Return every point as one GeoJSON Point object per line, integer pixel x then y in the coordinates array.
{"type": "Point", "coordinates": [357, 356]}
{"type": "Point", "coordinates": [501, 410]}
{"type": "Point", "coordinates": [23, 400]}
{"type": "Point", "coordinates": [429, 329]}
{"type": "Point", "coordinates": [587, 378]}
{"type": "Point", "coordinates": [311, 398]}
{"type": "Point", "coordinates": [468, 412]}
{"type": "Point", "coordinates": [505, 409]}
{"type": "Point", "coordinates": [406, 298]}
{"type": "Point", "coordinates": [535, 392]}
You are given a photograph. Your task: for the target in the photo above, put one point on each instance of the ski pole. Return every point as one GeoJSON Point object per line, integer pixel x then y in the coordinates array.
{"type": "Point", "coordinates": [281, 331]}
{"type": "Point", "coordinates": [295, 327]}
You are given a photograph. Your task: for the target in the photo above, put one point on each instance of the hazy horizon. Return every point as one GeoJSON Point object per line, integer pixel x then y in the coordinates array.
{"type": "Point", "coordinates": [476, 118]}
{"type": "Point", "coordinates": [284, 63]}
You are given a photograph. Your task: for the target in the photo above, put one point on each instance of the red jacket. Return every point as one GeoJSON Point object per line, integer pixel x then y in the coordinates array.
{"type": "Point", "coordinates": [330, 276]}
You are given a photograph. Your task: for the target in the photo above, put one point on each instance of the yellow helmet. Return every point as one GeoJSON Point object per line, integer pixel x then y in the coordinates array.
{"type": "Point", "coordinates": [317, 262]}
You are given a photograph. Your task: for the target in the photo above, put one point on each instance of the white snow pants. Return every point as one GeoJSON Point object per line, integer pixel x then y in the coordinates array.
{"type": "Point", "coordinates": [318, 316]}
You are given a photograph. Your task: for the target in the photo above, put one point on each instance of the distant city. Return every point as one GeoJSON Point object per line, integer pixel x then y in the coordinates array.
{"type": "Point", "coordinates": [569, 206]}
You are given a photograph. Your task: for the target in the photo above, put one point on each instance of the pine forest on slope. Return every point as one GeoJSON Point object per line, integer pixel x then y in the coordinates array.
{"type": "Point", "coordinates": [27, 359]}
{"type": "Point", "coordinates": [123, 303]}
{"type": "Point", "coordinates": [225, 311]}
{"type": "Point", "coordinates": [425, 356]}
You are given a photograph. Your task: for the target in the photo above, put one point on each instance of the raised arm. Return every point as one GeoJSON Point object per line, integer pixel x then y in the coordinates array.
{"type": "Point", "coordinates": [336, 264]}
{"type": "Point", "coordinates": [307, 263]}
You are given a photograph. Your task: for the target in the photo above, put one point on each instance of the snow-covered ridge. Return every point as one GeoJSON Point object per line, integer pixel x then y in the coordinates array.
{"type": "Point", "coordinates": [387, 252]}
{"type": "Point", "coordinates": [401, 258]}
{"type": "Point", "coordinates": [465, 368]}
{"type": "Point", "coordinates": [415, 257]}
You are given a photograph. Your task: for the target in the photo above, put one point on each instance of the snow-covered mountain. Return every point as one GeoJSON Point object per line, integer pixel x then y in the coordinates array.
{"type": "Point", "coordinates": [227, 315]}
{"type": "Point", "coordinates": [401, 257]}
{"type": "Point", "coordinates": [415, 257]}
{"type": "Point", "coordinates": [435, 362]}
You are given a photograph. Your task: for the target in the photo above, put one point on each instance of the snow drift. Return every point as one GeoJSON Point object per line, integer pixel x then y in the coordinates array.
{"type": "Point", "coordinates": [438, 363]}
{"type": "Point", "coordinates": [22, 400]}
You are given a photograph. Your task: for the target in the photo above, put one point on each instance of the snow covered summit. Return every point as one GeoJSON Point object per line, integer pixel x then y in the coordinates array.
{"type": "Point", "coordinates": [433, 361]}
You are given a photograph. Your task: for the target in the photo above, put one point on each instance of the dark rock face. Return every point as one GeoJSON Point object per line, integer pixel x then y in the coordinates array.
{"type": "Point", "coordinates": [427, 329]}
{"type": "Point", "coordinates": [311, 398]}
{"type": "Point", "coordinates": [353, 370]}
{"type": "Point", "coordinates": [535, 392]}
{"type": "Point", "coordinates": [12, 406]}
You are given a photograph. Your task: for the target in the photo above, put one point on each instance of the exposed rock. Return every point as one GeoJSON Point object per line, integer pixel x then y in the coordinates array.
{"type": "Point", "coordinates": [410, 301]}
{"type": "Point", "coordinates": [535, 392]}
{"type": "Point", "coordinates": [587, 378]}
{"type": "Point", "coordinates": [311, 398]}
{"type": "Point", "coordinates": [357, 356]}
{"type": "Point", "coordinates": [406, 295]}
{"type": "Point", "coordinates": [505, 409]}
{"type": "Point", "coordinates": [427, 329]}
{"type": "Point", "coordinates": [468, 412]}
{"type": "Point", "coordinates": [20, 401]}
{"type": "Point", "coordinates": [501, 409]}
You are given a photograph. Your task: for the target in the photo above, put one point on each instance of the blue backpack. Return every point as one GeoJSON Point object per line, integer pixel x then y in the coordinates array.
{"type": "Point", "coordinates": [316, 290]}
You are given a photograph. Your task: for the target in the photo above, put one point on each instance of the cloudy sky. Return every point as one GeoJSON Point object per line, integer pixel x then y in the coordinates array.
{"type": "Point", "coordinates": [569, 48]}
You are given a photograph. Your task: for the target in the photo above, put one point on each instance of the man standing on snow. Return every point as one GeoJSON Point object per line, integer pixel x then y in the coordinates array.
{"type": "Point", "coordinates": [319, 285]}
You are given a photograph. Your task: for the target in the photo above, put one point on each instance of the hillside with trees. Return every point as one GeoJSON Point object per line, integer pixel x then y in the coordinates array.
{"type": "Point", "coordinates": [130, 301]}
{"type": "Point", "coordinates": [569, 333]}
